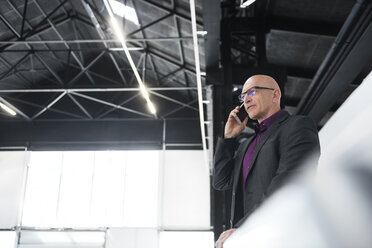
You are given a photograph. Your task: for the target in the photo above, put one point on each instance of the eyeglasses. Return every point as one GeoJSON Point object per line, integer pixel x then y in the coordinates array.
{"type": "Point", "coordinates": [251, 91]}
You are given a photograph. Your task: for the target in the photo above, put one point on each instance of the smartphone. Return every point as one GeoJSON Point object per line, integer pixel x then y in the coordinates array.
{"type": "Point", "coordinates": [242, 114]}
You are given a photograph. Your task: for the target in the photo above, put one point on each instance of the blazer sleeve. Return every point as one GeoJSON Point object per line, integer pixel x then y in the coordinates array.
{"type": "Point", "coordinates": [223, 171]}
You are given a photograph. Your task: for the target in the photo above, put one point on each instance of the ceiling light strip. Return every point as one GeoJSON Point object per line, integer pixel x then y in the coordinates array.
{"type": "Point", "coordinates": [13, 108]}
{"type": "Point", "coordinates": [198, 79]}
{"type": "Point", "coordinates": [119, 34]}
{"type": "Point", "coordinates": [7, 109]}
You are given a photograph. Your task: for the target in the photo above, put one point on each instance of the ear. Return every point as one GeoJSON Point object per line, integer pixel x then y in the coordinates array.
{"type": "Point", "coordinates": [277, 96]}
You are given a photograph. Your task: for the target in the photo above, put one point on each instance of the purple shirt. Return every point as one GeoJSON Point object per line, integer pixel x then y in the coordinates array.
{"type": "Point", "coordinates": [259, 129]}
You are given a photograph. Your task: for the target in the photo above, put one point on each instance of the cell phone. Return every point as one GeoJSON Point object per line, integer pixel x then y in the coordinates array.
{"type": "Point", "coordinates": [242, 114]}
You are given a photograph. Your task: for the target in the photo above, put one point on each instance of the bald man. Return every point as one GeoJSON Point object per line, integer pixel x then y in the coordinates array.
{"type": "Point", "coordinates": [260, 165]}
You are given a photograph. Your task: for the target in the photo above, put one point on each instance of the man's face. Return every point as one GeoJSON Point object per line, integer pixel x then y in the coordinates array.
{"type": "Point", "coordinates": [257, 105]}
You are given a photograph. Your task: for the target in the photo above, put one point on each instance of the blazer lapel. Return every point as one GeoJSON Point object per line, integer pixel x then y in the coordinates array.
{"type": "Point", "coordinates": [266, 135]}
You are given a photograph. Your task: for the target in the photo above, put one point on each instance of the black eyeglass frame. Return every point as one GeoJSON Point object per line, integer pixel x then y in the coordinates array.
{"type": "Point", "coordinates": [242, 95]}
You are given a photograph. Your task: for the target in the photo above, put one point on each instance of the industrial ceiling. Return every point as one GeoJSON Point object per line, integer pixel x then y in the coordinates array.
{"type": "Point", "coordinates": [64, 72]}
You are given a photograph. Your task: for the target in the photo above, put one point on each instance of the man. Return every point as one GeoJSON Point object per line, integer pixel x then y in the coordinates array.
{"type": "Point", "coordinates": [257, 167]}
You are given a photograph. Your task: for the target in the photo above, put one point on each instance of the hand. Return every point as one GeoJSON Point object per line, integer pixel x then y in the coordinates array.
{"type": "Point", "coordinates": [232, 127]}
{"type": "Point", "coordinates": [223, 237]}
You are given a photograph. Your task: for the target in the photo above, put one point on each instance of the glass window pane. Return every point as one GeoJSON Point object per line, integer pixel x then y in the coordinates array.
{"type": "Point", "coordinates": [40, 206]}
{"type": "Point", "coordinates": [141, 189]}
{"type": "Point", "coordinates": [7, 239]}
{"type": "Point", "coordinates": [75, 193]}
{"type": "Point", "coordinates": [92, 189]}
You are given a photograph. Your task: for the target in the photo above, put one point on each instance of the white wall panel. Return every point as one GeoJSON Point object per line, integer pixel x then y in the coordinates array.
{"type": "Point", "coordinates": [186, 191]}
{"type": "Point", "coordinates": [186, 239]}
{"type": "Point", "coordinates": [12, 178]}
{"type": "Point", "coordinates": [132, 238]}
{"type": "Point", "coordinates": [348, 134]}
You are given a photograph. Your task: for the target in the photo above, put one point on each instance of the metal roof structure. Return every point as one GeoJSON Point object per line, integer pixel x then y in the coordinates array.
{"type": "Point", "coordinates": [63, 70]}
{"type": "Point", "coordinates": [62, 67]}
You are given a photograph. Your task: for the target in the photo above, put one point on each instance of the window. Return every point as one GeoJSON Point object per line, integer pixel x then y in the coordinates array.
{"type": "Point", "coordinates": [92, 189]}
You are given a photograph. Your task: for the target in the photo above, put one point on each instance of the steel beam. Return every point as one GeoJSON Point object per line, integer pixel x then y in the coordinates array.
{"type": "Point", "coordinates": [166, 58]}
{"type": "Point", "coordinates": [53, 50]}
{"type": "Point", "coordinates": [160, 55]}
{"type": "Point", "coordinates": [77, 67]}
{"type": "Point", "coordinates": [154, 39]}
{"type": "Point", "coordinates": [84, 70]}
{"type": "Point", "coordinates": [60, 81]}
{"type": "Point", "coordinates": [80, 106]}
{"type": "Point", "coordinates": [46, 18]}
{"type": "Point", "coordinates": [14, 66]}
{"type": "Point", "coordinates": [173, 100]}
{"type": "Point", "coordinates": [32, 50]}
{"type": "Point", "coordinates": [121, 104]}
{"type": "Point", "coordinates": [24, 16]}
{"type": "Point", "coordinates": [61, 38]}
{"type": "Point", "coordinates": [179, 108]}
{"type": "Point", "coordinates": [137, 66]}
{"type": "Point", "coordinates": [111, 104]}
{"type": "Point", "coordinates": [30, 33]}
{"type": "Point", "coordinates": [181, 49]}
{"type": "Point", "coordinates": [49, 105]}
{"type": "Point", "coordinates": [149, 24]}
{"type": "Point", "coordinates": [96, 90]}
{"type": "Point", "coordinates": [10, 27]}
{"type": "Point", "coordinates": [155, 70]}
{"type": "Point", "coordinates": [41, 106]}
{"type": "Point", "coordinates": [76, 38]}
{"type": "Point", "coordinates": [18, 13]}
{"type": "Point", "coordinates": [171, 73]}
{"type": "Point", "coordinates": [7, 64]}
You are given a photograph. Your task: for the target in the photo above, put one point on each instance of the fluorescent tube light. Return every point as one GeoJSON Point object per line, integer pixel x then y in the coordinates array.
{"type": "Point", "coordinates": [124, 11]}
{"type": "Point", "coordinates": [7, 109]}
{"type": "Point", "coordinates": [120, 36]}
{"type": "Point", "coordinates": [246, 3]}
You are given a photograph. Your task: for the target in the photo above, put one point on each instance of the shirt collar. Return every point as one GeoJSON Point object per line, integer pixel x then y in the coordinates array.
{"type": "Point", "coordinates": [265, 124]}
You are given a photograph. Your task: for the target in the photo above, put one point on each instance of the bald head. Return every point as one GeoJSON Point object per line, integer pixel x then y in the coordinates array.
{"type": "Point", "coordinates": [262, 81]}
{"type": "Point", "coordinates": [266, 100]}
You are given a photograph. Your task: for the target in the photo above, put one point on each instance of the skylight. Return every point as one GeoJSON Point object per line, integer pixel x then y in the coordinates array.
{"type": "Point", "coordinates": [124, 11]}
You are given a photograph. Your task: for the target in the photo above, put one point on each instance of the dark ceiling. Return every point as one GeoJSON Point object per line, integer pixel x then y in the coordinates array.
{"type": "Point", "coordinates": [62, 69]}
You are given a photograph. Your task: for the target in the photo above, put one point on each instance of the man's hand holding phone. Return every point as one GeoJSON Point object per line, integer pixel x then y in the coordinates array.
{"type": "Point", "coordinates": [236, 122]}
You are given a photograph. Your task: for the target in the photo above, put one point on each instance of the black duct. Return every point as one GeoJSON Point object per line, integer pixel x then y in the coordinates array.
{"type": "Point", "coordinates": [349, 56]}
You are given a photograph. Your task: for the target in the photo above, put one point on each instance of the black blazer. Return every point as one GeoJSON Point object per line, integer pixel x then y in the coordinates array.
{"type": "Point", "coordinates": [279, 154]}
